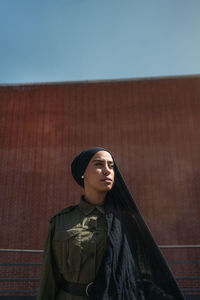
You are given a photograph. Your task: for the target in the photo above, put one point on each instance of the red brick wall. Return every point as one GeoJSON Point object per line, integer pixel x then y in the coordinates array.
{"type": "Point", "coordinates": [20, 271]}
{"type": "Point", "coordinates": [151, 126]}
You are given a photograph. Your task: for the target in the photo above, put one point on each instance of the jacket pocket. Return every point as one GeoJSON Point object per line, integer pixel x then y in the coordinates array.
{"type": "Point", "coordinates": [67, 251]}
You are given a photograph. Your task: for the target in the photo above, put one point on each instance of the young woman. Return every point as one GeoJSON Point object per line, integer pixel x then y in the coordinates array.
{"type": "Point", "coordinates": [102, 248]}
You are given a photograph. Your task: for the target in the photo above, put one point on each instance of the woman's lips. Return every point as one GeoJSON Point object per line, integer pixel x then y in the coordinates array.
{"type": "Point", "coordinates": [107, 180]}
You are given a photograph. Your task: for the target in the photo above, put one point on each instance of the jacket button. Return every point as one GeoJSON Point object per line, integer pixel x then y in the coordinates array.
{"type": "Point", "coordinates": [92, 229]}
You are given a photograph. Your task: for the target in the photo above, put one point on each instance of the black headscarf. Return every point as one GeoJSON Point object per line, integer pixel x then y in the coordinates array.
{"type": "Point", "coordinates": [133, 267]}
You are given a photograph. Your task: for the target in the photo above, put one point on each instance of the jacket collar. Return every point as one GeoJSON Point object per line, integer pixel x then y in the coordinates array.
{"type": "Point", "coordinates": [87, 207]}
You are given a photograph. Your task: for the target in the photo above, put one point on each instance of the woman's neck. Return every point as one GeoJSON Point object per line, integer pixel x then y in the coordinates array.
{"type": "Point", "coordinates": [95, 198]}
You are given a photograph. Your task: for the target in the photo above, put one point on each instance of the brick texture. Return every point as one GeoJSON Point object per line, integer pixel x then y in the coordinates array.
{"type": "Point", "coordinates": [152, 127]}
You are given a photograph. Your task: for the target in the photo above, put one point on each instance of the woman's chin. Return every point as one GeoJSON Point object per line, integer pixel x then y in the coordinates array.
{"type": "Point", "coordinates": [107, 188]}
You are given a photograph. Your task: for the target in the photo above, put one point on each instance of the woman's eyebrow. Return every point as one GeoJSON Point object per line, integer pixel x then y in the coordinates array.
{"type": "Point", "coordinates": [102, 160]}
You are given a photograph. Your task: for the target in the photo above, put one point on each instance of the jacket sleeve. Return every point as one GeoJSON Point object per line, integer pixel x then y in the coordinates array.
{"type": "Point", "coordinates": [49, 278]}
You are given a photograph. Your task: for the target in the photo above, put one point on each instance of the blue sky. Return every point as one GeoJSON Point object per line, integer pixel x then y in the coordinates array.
{"type": "Point", "coordinates": [72, 40]}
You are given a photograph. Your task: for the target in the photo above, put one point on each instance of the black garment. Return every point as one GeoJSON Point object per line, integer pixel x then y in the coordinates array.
{"type": "Point", "coordinates": [133, 267]}
{"type": "Point", "coordinates": [119, 270]}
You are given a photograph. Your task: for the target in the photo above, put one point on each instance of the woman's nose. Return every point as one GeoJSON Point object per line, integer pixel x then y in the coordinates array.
{"type": "Point", "coordinates": [106, 170]}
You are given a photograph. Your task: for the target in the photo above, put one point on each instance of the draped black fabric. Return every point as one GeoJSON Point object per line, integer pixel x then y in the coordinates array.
{"type": "Point", "coordinates": [133, 266]}
{"type": "Point", "coordinates": [118, 274]}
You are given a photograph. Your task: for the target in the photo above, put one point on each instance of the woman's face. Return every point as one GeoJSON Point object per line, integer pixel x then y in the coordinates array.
{"type": "Point", "coordinates": [99, 174]}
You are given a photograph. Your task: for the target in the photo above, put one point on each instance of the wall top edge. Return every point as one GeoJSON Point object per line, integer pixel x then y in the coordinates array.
{"type": "Point", "coordinates": [103, 81]}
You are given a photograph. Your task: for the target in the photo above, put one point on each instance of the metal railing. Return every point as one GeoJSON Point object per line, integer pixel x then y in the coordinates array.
{"type": "Point", "coordinates": [19, 291]}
